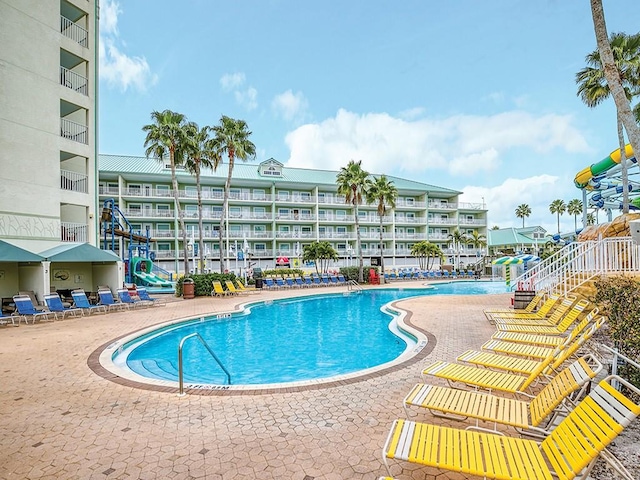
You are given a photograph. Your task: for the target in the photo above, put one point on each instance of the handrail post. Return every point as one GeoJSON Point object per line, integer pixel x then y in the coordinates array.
{"type": "Point", "coordinates": [180, 364]}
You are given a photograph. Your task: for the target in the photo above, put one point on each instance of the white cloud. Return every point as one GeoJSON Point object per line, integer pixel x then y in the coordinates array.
{"type": "Point", "coordinates": [117, 68]}
{"type": "Point", "coordinates": [231, 81]}
{"type": "Point", "coordinates": [234, 83]}
{"type": "Point", "coordinates": [411, 113]}
{"type": "Point", "coordinates": [537, 191]}
{"type": "Point", "coordinates": [290, 106]}
{"type": "Point", "coordinates": [458, 145]}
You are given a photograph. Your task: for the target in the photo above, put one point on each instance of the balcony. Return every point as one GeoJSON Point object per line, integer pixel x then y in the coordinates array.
{"type": "Point", "coordinates": [74, 81]}
{"type": "Point", "coordinates": [74, 31]}
{"type": "Point", "coordinates": [73, 232]}
{"type": "Point", "coordinates": [442, 206]}
{"type": "Point", "coordinates": [108, 191]}
{"type": "Point", "coordinates": [74, 181]}
{"type": "Point", "coordinates": [473, 221]}
{"type": "Point", "coordinates": [74, 131]}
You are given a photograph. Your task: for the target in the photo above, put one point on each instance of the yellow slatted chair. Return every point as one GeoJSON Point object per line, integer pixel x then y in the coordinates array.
{"type": "Point", "coordinates": [544, 311]}
{"type": "Point", "coordinates": [231, 288]}
{"type": "Point", "coordinates": [569, 451]}
{"type": "Point", "coordinates": [483, 378]}
{"type": "Point", "coordinates": [526, 366]}
{"type": "Point", "coordinates": [567, 307]}
{"type": "Point", "coordinates": [241, 287]}
{"type": "Point", "coordinates": [539, 351]}
{"type": "Point", "coordinates": [567, 321]}
{"type": "Point", "coordinates": [530, 308]}
{"type": "Point", "coordinates": [534, 416]}
{"type": "Point", "coordinates": [218, 290]}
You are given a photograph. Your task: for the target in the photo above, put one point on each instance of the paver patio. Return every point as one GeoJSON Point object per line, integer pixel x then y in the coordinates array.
{"type": "Point", "coordinates": [60, 420]}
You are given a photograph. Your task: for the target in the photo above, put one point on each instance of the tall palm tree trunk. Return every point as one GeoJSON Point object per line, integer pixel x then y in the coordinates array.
{"type": "Point", "coordinates": [225, 206]}
{"type": "Point", "coordinates": [176, 200]}
{"type": "Point", "coordinates": [358, 242]}
{"type": "Point", "coordinates": [613, 77]}
{"type": "Point", "coordinates": [381, 252]}
{"type": "Point", "coordinates": [623, 164]}
{"type": "Point", "coordinates": [200, 223]}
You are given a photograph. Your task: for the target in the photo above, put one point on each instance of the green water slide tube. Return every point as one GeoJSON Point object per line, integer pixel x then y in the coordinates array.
{"type": "Point", "coordinates": [584, 176]}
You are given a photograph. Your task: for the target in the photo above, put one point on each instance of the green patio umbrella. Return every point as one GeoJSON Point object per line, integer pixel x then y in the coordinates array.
{"type": "Point", "coordinates": [507, 261]}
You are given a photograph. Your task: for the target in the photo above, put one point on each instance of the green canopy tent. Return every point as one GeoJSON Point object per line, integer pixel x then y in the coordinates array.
{"type": "Point", "coordinates": [10, 253]}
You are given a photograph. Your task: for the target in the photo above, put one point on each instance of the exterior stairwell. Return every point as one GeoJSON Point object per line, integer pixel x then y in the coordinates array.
{"type": "Point", "coordinates": [579, 263]}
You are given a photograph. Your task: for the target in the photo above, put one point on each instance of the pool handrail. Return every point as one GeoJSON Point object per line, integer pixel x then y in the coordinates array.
{"type": "Point", "coordinates": [211, 352]}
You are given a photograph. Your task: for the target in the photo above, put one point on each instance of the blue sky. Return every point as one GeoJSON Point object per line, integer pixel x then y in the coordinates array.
{"type": "Point", "coordinates": [475, 96]}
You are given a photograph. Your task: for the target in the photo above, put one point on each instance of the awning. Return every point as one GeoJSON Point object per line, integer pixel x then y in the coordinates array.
{"type": "Point", "coordinates": [11, 253]}
{"type": "Point", "coordinates": [78, 253]}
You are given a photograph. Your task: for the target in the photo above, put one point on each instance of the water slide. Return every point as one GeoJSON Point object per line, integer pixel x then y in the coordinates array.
{"type": "Point", "coordinates": [602, 178]}
{"type": "Point", "coordinates": [141, 268]}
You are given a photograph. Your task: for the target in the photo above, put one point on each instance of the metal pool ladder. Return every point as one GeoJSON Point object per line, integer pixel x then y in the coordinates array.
{"type": "Point", "coordinates": [353, 285]}
{"type": "Point", "coordinates": [211, 352]}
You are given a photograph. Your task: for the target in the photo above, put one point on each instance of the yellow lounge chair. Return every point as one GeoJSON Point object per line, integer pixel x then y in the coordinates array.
{"type": "Point", "coordinates": [231, 288]}
{"type": "Point", "coordinates": [241, 287]}
{"type": "Point", "coordinates": [530, 308]}
{"type": "Point", "coordinates": [568, 451]}
{"type": "Point", "coordinates": [526, 366]}
{"type": "Point", "coordinates": [218, 291]}
{"type": "Point", "coordinates": [542, 312]}
{"type": "Point", "coordinates": [568, 320]}
{"type": "Point", "coordinates": [566, 307]}
{"type": "Point", "coordinates": [539, 351]}
{"type": "Point", "coordinates": [484, 378]}
{"type": "Point", "coordinates": [535, 415]}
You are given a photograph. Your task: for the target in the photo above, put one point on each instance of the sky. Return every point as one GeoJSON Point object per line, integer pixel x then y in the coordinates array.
{"type": "Point", "coordinates": [475, 96]}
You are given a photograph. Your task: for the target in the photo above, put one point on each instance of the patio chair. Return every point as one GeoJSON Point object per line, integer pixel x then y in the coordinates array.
{"type": "Point", "coordinates": [27, 310]}
{"type": "Point", "coordinates": [334, 280]}
{"type": "Point", "coordinates": [218, 291]}
{"type": "Point", "coordinates": [270, 284]}
{"type": "Point", "coordinates": [143, 294]}
{"type": "Point", "coordinates": [316, 280]}
{"type": "Point", "coordinates": [341, 279]}
{"type": "Point", "coordinates": [231, 288]}
{"type": "Point", "coordinates": [530, 308]}
{"type": "Point", "coordinates": [125, 297]}
{"type": "Point", "coordinates": [4, 319]}
{"type": "Point", "coordinates": [544, 310]}
{"type": "Point", "coordinates": [299, 282]}
{"type": "Point", "coordinates": [289, 282]}
{"type": "Point", "coordinates": [242, 288]}
{"type": "Point", "coordinates": [531, 349]}
{"type": "Point", "coordinates": [105, 297]}
{"type": "Point", "coordinates": [34, 300]}
{"type": "Point", "coordinates": [325, 280]}
{"type": "Point", "coordinates": [569, 451]}
{"type": "Point", "coordinates": [559, 329]}
{"type": "Point", "coordinates": [280, 283]}
{"type": "Point", "coordinates": [308, 281]}
{"type": "Point", "coordinates": [528, 417]}
{"type": "Point", "coordinates": [80, 300]}
{"type": "Point", "coordinates": [567, 307]}
{"type": "Point", "coordinates": [55, 305]}
{"type": "Point", "coordinates": [485, 379]}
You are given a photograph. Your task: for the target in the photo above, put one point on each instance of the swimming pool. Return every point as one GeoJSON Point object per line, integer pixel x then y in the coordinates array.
{"type": "Point", "coordinates": [283, 341]}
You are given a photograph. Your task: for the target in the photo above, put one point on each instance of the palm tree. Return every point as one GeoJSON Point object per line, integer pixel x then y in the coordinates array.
{"type": "Point", "coordinates": [574, 207]}
{"type": "Point", "coordinates": [593, 88]}
{"type": "Point", "coordinates": [384, 192]}
{"type": "Point", "coordinates": [558, 207]}
{"type": "Point", "coordinates": [231, 137]}
{"type": "Point", "coordinates": [200, 153]}
{"type": "Point", "coordinates": [591, 218]}
{"type": "Point", "coordinates": [523, 211]}
{"type": "Point", "coordinates": [456, 239]}
{"type": "Point", "coordinates": [352, 183]}
{"type": "Point", "coordinates": [167, 136]}
{"type": "Point", "coordinates": [612, 74]}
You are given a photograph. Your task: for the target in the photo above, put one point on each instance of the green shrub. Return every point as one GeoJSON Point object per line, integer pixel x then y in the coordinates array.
{"type": "Point", "coordinates": [619, 299]}
{"type": "Point", "coordinates": [203, 283]}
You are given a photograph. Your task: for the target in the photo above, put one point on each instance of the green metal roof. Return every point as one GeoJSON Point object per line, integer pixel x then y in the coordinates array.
{"type": "Point", "coordinates": [117, 164]}
{"type": "Point", "coordinates": [78, 252]}
{"type": "Point", "coordinates": [10, 253]}
{"type": "Point", "coordinates": [508, 236]}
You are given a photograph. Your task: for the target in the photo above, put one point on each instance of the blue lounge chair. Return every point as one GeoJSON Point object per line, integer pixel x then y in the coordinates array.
{"type": "Point", "coordinates": [308, 282]}
{"type": "Point", "coordinates": [299, 282]}
{"type": "Point", "coordinates": [26, 309]}
{"type": "Point", "coordinates": [334, 280]}
{"type": "Point", "coordinates": [54, 303]}
{"type": "Point", "coordinates": [280, 283]}
{"type": "Point", "coordinates": [325, 280]}
{"type": "Point", "coordinates": [270, 284]}
{"type": "Point", "coordinates": [144, 296]}
{"type": "Point", "coordinates": [4, 319]}
{"type": "Point", "coordinates": [80, 300]}
{"type": "Point", "coordinates": [125, 297]}
{"type": "Point", "coordinates": [342, 280]}
{"type": "Point", "coordinates": [289, 282]}
{"type": "Point", "coordinates": [106, 299]}
{"type": "Point", "coordinates": [316, 280]}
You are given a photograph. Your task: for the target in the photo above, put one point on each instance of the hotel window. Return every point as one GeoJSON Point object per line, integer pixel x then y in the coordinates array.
{"type": "Point", "coordinates": [259, 194]}
{"type": "Point", "coordinates": [259, 247]}
{"type": "Point", "coordinates": [283, 228]}
{"type": "Point", "coordinates": [235, 212]}
{"type": "Point", "coordinates": [283, 212]}
{"type": "Point", "coordinates": [305, 229]}
{"type": "Point", "coordinates": [410, 201]}
{"type": "Point", "coordinates": [341, 230]}
{"type": "Point", "coordinates": [341, 214]}
{"type": "Point", "coordinates": [283, 195]}
{"type": "Point", "coordinates": [235, 193]}
{"type": "Point", "coordinates": [163, 191]}
{"type": "Point", "coordinates": [217, 192]}
{"type": "Point", "coordinates": [190, 191]}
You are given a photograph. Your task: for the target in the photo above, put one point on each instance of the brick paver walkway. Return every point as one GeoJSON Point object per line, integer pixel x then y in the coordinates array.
{"type": "Point", "coordinates": [59, 420]}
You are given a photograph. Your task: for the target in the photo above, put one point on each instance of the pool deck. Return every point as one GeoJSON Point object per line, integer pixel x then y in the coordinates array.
{"type": "Point", "coordinates": [61, 420]}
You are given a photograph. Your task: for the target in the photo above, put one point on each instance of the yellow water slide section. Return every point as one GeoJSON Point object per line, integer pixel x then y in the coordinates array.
{"type": "Point", "coordinates": [586, 174]}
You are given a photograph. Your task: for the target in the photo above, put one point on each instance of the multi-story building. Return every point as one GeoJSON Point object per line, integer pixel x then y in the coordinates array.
{"type": "Point", "coordinates": [275, 210]}
{"type": "Point", "coordinates": [48, 116]}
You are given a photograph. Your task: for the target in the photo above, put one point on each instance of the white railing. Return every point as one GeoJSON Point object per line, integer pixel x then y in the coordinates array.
{"type": "Point", "coordinates": [579, 262]}
{"type": "Point", "coordinates": [74, 181]}
{"type": "Point", "coordinates": [73, 232]}
{"type": "Point", "coordinates": [74, 131]}
{"type": "Point", "coordinates": [74, 81]}
{"type": "Point", "coordinates": [442, 206]}
{"type": "Point", "coordinates": [74, 31]}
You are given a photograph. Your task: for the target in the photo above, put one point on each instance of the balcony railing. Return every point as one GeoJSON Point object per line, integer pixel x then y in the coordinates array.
{"type": "Point", "coordinates": [74, 31]}
{"type": "Point", "coordinates": [113, 192]}
{"type": "Point", "coordinates": [74, 181]}
{"type": "Point", "coordinates": [73, 232]}
{"type": "Point", "coordinates": [74, 131]}
{"type": "Point", "coordinates": [74, 81]}
{"type": "Point", "coordinates": [442, 206]}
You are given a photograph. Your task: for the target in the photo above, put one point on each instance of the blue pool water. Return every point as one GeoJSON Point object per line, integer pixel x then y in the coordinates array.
{"type": "Point", "coordinates": [285, 340]}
